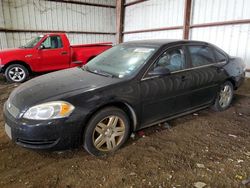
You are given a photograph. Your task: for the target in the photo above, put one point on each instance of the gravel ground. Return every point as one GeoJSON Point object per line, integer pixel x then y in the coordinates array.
{"type": "Point", "coordinates": [212, 148]}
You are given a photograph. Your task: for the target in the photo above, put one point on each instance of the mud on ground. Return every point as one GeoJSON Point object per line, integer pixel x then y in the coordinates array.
{"type": "Point", "coordinates": [209, 147]}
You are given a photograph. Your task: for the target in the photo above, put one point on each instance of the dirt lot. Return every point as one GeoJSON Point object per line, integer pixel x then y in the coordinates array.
{"type": "Point", "coordinates": [208, 147]}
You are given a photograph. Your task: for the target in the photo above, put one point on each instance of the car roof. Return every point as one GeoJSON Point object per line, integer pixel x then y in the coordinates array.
{"type": "Point", "coordinates": [162, 42]}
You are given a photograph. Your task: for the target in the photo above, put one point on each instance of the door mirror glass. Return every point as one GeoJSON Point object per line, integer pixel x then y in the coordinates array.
{"type": "Point", "coordinates": [159, 71]}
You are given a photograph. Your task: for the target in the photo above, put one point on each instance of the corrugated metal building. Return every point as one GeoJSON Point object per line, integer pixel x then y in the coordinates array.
{"type": "Point", "coordinates": [225, 23]}
{"type": "Point", "coordinates": [154, 14]}
{"type": "Point", "coordinates": [85, 21]}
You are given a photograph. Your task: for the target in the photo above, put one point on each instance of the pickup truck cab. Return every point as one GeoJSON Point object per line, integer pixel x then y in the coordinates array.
{"type": "Point", "coordinates": [46, 53]}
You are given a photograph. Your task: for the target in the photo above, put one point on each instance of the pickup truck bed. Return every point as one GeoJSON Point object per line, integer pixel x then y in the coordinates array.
{"type": "Point", "coordinates": [45, 53]}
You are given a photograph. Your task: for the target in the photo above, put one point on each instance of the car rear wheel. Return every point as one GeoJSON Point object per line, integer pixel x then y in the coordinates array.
{"type": "Point", "coordinates": [16, 73]}
{"type": "Point", "coordinates": [224, 97]}
{"type": "Point", "coordinates": [106, 131]}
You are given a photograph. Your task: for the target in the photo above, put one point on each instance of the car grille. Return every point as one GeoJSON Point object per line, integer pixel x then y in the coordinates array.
{"type": "Point", "coordinates": [37, 144]}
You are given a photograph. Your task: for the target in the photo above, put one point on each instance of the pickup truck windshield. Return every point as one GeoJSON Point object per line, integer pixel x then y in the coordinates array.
{"type": "Point", "coordinates": [120, 61]}
{"type": "Point", "coordinates": [32, 43]}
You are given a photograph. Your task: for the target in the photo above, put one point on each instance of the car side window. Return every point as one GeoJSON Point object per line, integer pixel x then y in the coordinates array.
{"type": "Point", "coordinates": [201, 55]}
{"type": "Point", "coordinates": [173, 60]}
{"type": "Point", "coordinates": [219, 56]}
{"type": "Point", "coordinates": [52, 42]}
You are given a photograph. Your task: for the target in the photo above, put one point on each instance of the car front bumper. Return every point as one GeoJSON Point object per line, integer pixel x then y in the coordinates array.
{"type": "Point", "coordinates": [239, 80]}
{"type": "Point", "coordinates": [55, 134]}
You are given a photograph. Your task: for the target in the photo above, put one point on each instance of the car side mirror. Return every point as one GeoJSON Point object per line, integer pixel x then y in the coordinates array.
{"type": "Point", "coordinates": [41, 47]}
{"type": "Point", "coordinates": [159, 71]}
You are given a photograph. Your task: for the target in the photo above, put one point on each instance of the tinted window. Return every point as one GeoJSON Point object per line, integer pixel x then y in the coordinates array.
{"type": "Point", "coordinates": [219, 56]}
{"type": "Point", "coordinates": [172, 59]}
{"type": "Point", "coordinates": [52, 42]}
{"type": "Point", "coordinates": [201, 55]}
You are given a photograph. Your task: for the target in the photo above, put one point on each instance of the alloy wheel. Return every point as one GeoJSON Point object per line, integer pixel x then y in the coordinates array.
{"type": "Point", "coordinates": [108, 133]}
{"type": "Point", "coordinates": [225, 96]}
{"type": "Point", "coordinates": [17, 74]}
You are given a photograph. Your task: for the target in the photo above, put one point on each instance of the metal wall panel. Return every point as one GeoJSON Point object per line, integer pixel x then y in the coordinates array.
{"type": "Point", "coordinates": [33, 14]}
{"type": "Point", "coordinates": [15, 39]}
{"type": "Point", "coordinates": [104, 2]}
{"type": "Point", "coordinates": [46, 15]}
{"type": "Point", "coordinates": [154, 14]}
{"type": "Point", "coordinates": [171, 34]}
{"type": "Point", "coordinates": [3, 41]}
{"type": "Point", "coordinates": [1, 14]}
{"type": "Point", "coordinates": [205, 11]}
{"type": "Point", "coordinates": [129, 1]}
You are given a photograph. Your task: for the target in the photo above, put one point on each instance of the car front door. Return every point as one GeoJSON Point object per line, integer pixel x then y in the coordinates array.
{"type": "Point", "coordinates": [206, 74]}
{"type": "Point", "coordinates": [164, 96]}
{"type": "Point", "coordinates": [53, 55]}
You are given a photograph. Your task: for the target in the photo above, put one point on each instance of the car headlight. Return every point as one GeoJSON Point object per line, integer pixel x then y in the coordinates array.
{"type": "Point", "coordinates": [49, 110]}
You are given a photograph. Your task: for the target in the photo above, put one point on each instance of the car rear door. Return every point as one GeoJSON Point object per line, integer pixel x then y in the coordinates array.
{"type": "Point", "coordinates": [53, 54]}
{"type": "Point", "coordinates": [163, 96]}
{"type": "Point", "coordinates": [206, 74]}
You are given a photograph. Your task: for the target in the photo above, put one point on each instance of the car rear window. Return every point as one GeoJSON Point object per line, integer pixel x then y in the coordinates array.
{"type": "Point", "coordinates": [219, 56]}
{"type": "Point", "coordinates": [201, 55]}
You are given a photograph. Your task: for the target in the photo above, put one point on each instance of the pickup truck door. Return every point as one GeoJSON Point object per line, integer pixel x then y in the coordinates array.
{"type": "Point", "coordinates": [53, 54]}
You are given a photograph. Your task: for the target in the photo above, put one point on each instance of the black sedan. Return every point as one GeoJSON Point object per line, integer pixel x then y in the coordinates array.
{"type": "Point", "coordinates": [129, 87]}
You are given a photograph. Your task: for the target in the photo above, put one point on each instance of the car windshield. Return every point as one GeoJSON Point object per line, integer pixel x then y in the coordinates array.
{"type": "Point", "coordinates": [120, 61]}
{"type": "Point", "coordinates": [33, 42]}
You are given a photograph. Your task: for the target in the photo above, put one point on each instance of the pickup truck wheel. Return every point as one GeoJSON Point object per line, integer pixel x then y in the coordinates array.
{"type": "Point", "coordinates": [106, 131]}
{"type": "Point", "coordinates": [224, 97]}
{"type": "Point", "coordinates": [16, 73]}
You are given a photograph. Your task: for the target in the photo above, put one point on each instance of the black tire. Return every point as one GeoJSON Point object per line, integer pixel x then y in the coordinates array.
{"type": "Point", "coordinates": [90, 131]}
{"type": "Point", "coordinates": [218, 105]}
{"type": "Point", "coordinates": [16, 73]}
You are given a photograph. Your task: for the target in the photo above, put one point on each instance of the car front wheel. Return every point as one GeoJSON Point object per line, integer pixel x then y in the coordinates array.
{"type": "Point", "coordinates": [16, 73]}
{"type": "Point", "coordinates": [106, 131]}
{"type": "Point", "coordinates": [224, 97]}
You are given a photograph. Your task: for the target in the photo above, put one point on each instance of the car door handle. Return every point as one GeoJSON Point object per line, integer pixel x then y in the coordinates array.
{"type": "Point", "coordinates": [219, 69]}
{"type": "Point", "coordinates": [64, 53]}
{"type": "Point", "coordinates": [184, 78]}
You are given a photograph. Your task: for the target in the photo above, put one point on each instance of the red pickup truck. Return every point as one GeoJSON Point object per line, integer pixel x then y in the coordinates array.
{"type": "Point", "coordinates": [46, 53]}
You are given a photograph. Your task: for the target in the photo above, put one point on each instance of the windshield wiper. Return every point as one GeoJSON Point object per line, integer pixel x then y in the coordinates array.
{"type": "Point", "coordinates": [99, 72]}
{"type": "Point", "coordinates": [105, 73]}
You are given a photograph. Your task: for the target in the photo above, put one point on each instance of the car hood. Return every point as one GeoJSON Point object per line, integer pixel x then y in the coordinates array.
{"type": "Point", "coordinates": [14, 53]}
{"type": "Point", "coordinates": [12, 50]}
{"type": "Point", "coordinates": [55, 84]}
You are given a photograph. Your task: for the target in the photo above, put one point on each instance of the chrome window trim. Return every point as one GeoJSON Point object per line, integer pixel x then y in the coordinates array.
{"type": "Point", "coordinates": [191, 68]}
{"type": "Point", "coordinates": [150, 77]}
